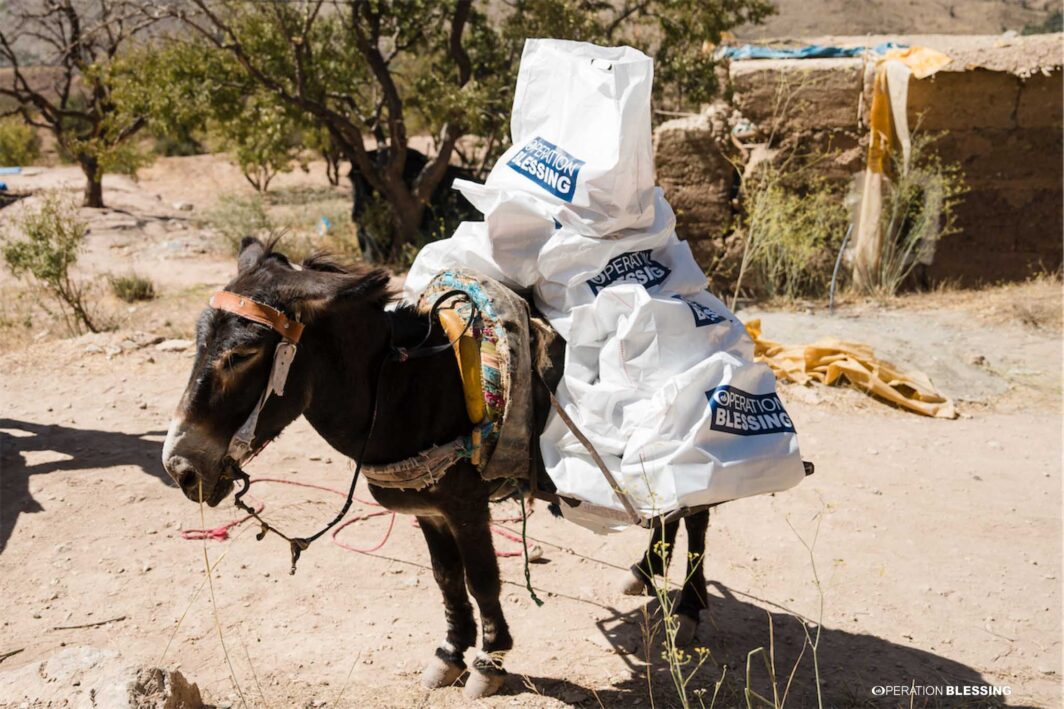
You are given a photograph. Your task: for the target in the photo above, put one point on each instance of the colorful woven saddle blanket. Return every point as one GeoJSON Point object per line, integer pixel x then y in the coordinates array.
{"type": "Point", "coordinates": [501, 351]}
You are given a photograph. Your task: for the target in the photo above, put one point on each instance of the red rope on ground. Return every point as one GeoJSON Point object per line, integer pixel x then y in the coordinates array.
{"type": "Point", "coordinates": [217, 533]}
{"type": "Point", "coordinates": [507, 534]}
{"type": "Point", "coordinates": [221, 533]}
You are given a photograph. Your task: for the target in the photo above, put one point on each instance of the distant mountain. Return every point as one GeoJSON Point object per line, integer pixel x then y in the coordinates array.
{"type": "Point", "coordinates": [798, 18]}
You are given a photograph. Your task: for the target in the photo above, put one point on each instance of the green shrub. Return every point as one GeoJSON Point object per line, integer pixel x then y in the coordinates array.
{"type": "Point", "coordinates": [19, 142]}
{"type": "Point", "coordinates": [132, 288]}
{"type": "Point", "coordinates": [919, 209]}
{"type": "Point", "coordinates": [793, 230]}
{"type": "Point", "coordinates": [53, 236]}
{"type": "Point", "coordinates": [235, 217]}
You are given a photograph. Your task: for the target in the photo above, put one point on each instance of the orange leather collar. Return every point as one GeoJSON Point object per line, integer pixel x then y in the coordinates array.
{"type": "Point", "coordinates": [245, 307]}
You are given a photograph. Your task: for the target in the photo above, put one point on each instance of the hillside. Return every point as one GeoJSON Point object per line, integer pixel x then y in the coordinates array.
{"type": "Point", "coordinates": [797, 18]}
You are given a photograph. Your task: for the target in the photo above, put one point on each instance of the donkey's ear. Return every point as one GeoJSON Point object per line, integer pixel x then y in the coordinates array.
{"type": "Point", "coordinates": [368, 287]}
{"type": "Point", "coordinates": [251, 252]}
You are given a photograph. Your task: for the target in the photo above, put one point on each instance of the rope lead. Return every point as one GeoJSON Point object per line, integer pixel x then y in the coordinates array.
{"type": "Point", "coordinates": [524, 547]}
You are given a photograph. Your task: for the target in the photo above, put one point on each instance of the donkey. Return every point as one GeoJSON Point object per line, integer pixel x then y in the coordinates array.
{"type": "Point", "coordinates": [347, 340]}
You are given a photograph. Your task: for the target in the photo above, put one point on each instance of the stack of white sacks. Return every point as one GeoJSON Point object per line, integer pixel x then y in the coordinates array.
{"type": "Point", "coordinates": [659, 375]}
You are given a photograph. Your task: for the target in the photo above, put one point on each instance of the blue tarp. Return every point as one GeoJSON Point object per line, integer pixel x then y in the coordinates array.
{"type": "Point", "coordinates": [810, 51]}
{"type": "Point", "coordinates": [10, 170]}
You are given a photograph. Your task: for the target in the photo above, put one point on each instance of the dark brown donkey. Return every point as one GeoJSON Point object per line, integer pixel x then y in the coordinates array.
{"type": "Point", "coordinates": [345, 348]}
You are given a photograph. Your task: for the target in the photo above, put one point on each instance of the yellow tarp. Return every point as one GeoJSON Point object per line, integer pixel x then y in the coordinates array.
{"type": "Point", "coordinates": [888, 123]}
{"type": "Point", "coordinates": [830, 361]}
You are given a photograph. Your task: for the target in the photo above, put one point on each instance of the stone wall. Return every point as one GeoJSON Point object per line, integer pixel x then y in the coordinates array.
{"type": "Point", "coordinates": [1005, 132]}
{"type": "Point", "coordinates": [998, 108]}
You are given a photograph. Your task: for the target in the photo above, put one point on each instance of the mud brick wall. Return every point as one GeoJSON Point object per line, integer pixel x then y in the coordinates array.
{"type": "Point", "coordinates": [694, 168]}
{"type": "Point", "coordinates": [1004, 131]}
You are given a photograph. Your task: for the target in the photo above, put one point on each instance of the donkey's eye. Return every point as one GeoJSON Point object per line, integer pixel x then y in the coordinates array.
{"type": "Point", "coordinates": [235, 359]}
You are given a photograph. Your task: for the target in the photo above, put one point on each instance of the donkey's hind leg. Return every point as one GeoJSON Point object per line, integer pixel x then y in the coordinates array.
{"type": "Point", "coordinates": [693, 596]}
{"type": "Point", "coordinates": [482, 575]}
{"type": "Point", "coordinates": [447, 666]}
{"type": "Point", "coordinates": [655, 562]}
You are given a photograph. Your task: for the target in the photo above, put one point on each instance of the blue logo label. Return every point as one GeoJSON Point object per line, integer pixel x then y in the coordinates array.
{"type": "Point", "coordinates": [736, 411]}
{"type": "Point", "coordinates": [703, 315]}
{"type": "Point", "coordinates": [636, 267]}
{"type": "Point", "coordinates": [548, 166]}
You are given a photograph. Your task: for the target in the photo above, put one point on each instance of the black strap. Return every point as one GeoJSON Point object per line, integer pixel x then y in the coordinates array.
{"type": "Point", "coordinates": [420, 350]}
{"type": "Point", "coordinates": [629, 509]}
{"type": "Point", "coordinates": [299, 544]}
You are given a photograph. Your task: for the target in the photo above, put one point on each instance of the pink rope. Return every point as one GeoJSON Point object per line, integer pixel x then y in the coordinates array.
{"type": "Point", "coordinates": [221, 532]}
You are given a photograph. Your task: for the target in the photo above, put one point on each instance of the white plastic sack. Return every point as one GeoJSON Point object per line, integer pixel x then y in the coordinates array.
{"type": "Point", "coordinates": [666, 389]}
{"type": "Point", "coordinates": [659, 375]}
{"type": "Point", "coordinates": [581, 136]}
{"type": "Point", "coordinates": [468, 248]}
{"type": "Point", "coordinates": [574, 268]}
{"type": "Point", "coordinates": [518, 225]}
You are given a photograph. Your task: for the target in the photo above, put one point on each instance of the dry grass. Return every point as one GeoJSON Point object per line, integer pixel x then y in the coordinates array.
{"type": "Point", "coordinates": [132, 288]}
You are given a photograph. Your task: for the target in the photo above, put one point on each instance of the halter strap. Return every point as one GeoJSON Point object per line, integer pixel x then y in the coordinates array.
{"type": "Point", "coordinates": [245, 307]}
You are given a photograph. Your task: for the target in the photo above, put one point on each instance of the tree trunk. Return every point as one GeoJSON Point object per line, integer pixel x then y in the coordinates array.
{"type": "Point", "coordinates": [406, 218]}
{"type": "Point", "coordinates": [93, 183]}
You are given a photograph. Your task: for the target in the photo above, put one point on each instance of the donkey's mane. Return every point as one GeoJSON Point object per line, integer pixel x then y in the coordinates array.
{"type": "Point", "coordinates": [370, 284]}
{"type": "Point", "coordinates": [330, 263]}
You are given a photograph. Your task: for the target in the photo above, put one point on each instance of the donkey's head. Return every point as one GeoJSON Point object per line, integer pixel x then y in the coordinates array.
{"type": "Point", "coordinates": [235, 355]}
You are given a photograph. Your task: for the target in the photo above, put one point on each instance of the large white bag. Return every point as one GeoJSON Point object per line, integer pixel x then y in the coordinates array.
{"type": "Point", "coordinates": [575, 268]}
{"type": "Point", "coordinates": [469, 248]}
{"type": "Point", "coordinates": [666, 389]}
{"type": "Point", "coordinates": [659, 375]}
{"type": "Point", "coordinates": [581, 136]}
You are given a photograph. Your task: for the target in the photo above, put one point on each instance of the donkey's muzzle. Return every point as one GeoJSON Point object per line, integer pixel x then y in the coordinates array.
{"type": "Point", "coordinates": [183, 472]}
{"type": "Point", "coordinates": [193, 484]}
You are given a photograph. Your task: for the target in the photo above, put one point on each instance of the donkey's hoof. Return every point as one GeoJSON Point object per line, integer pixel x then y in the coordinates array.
{"type": "Point", "coordinates": [440, 673]}
{"type": "Point", "coordinates": [685, 629]}
{"type": "Point", "coordinates": [634, 584]}
{"type": "Point", "coordinates": [484, 684]}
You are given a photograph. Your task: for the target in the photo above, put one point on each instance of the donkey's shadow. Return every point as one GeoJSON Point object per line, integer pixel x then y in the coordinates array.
{"type": "Point", "coordinates": [75, 448]}
{"type": "Point", "coordinates": [850, 664]}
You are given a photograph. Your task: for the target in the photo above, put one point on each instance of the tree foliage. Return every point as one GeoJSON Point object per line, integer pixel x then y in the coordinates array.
{"type": "Point", "coordinates": [74, 96]}
{"type": "Point", "coordinates": [373, 73]}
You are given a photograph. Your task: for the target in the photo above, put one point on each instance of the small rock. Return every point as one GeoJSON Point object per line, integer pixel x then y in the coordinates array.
{"type": "Point", "coordinates": [978, 361]}
{"type": "Point", "coordinates": [183, 206]}
{"type": "Point", "coordinates": [155, 687]}
{"type": "Point", "coordinates": [93, 349]}
{"type": "Point", "coordinates": [174, 345]}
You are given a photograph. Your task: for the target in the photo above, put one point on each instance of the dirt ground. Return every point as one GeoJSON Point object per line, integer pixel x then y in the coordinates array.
{"type": "Point", "coordinates": [937, 562]}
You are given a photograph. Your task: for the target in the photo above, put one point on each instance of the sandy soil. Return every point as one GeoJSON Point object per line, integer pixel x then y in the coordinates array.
{"type": "Point", "coordinates": [938, 554]}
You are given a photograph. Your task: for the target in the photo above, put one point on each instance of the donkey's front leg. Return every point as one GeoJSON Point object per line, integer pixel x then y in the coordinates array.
{"type": "Point", "coordinates": [473, 535]}
{"type": "Point", "coordinates": [447, 666]}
